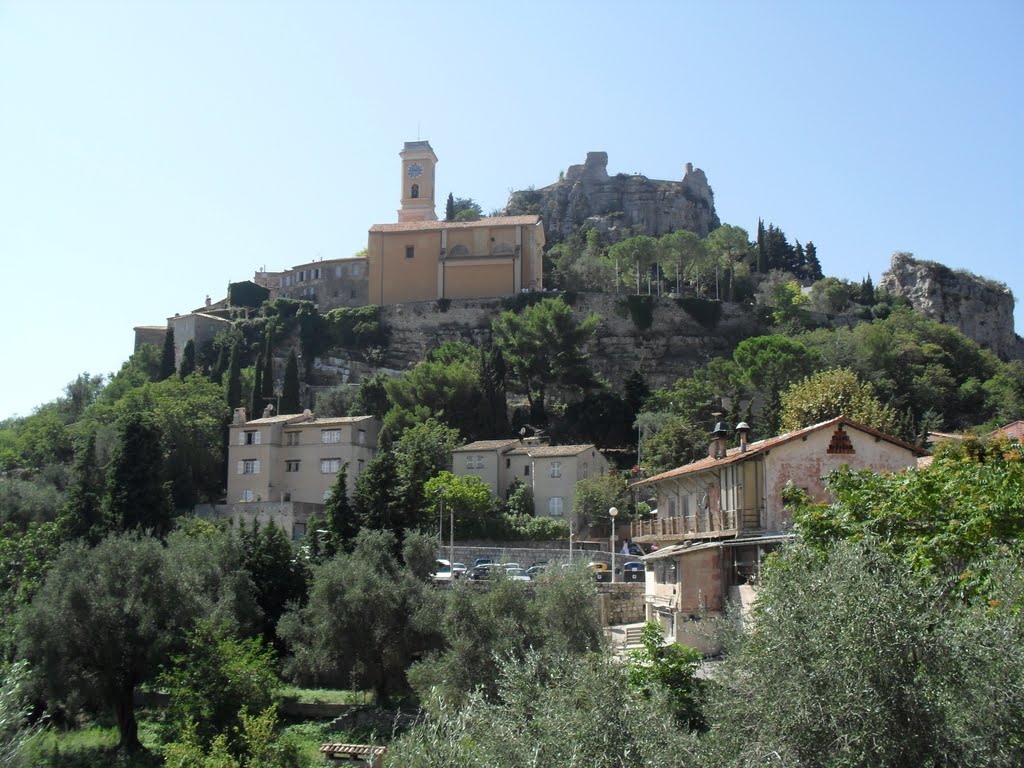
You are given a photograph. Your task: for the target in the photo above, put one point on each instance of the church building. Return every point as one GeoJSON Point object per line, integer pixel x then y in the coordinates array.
{"type": "Point", "coordinates": [420, 258]}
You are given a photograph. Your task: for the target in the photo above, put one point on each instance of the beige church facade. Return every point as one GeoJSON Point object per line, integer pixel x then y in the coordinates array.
{"type": "Point", "coordinates": [420, 258]}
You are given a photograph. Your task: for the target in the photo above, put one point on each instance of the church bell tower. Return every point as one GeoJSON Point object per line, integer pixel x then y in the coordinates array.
{"type": "Point", "coordinates": [418, 164]}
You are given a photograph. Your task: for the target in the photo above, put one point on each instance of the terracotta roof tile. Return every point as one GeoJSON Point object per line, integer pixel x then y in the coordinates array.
{"type": "Point", "coordinates": [487, 445]}
{"type": "Point", "coordinates": [753, 449]}
{"type": "Point", "coordinates": [420, 226]}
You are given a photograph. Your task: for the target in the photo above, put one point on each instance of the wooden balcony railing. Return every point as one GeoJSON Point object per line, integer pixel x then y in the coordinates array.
{"type": "Point", "coordinates": [705, 523]}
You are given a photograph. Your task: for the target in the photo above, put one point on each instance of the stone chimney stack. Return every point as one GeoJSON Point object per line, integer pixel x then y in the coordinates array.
{"type": "Point", "coordinates": [239, 417]}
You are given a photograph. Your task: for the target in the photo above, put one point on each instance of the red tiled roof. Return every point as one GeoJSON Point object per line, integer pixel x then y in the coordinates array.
{"type": "Point", "coordinates": [761, 446]}
{"type": "Point", "coordinates": [492, 221]}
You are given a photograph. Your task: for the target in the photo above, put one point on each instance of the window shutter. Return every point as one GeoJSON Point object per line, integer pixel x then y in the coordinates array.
{"type": "Point", "coordinates": [241, 467]}
{"type": "Point", "coordinates": [256, 467]}
{"type": "Point", "coordinates": [241, 438]}
{"type": "Point", "coordinates": [257, 439]}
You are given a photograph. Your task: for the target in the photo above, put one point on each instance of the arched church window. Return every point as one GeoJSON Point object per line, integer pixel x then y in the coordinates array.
{"type": "Point", "coordinates": [415, 190]}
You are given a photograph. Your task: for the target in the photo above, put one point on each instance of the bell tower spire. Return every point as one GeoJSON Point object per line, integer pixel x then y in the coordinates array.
{"type": "Point", "coordinates": [418, 164]}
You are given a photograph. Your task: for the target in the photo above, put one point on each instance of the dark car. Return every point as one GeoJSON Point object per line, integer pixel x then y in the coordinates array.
{"type": "Point", "coordinates": [480, 572]}
{"type": "Point", "coordinates": [633, 565]}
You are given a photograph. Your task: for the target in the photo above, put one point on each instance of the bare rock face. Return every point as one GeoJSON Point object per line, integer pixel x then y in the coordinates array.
{"type": "Point", "coordinates": [981, 309]}
{"type": "Point", "coordinates": [622, 205]}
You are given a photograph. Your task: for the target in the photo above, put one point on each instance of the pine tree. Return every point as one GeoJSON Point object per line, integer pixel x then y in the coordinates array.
{"type": "Point", "coordinates": [167, 358]}
{"type": "Point", "coordinates": [188, 359]}
{"type": "Point", "coordinates": [256, 403]}
{"type": "Point", "coordinates": [290, 402]}
{"type": "Point", "coordinates": [234, 387]}
{"type": "Point", "coordinates": [636, 392]}
{"type": "Point", "coordinates": [137, 497]}
{"type": "Point", "coordinates": [449, 208]}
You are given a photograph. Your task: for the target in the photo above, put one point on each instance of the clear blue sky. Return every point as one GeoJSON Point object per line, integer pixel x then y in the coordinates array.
{"type": "Point", "coordinates": [151, 152]}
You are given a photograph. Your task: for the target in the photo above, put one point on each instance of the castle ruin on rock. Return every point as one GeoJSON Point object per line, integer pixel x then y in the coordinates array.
{"type": "Point", "coordinates": [622, 205]}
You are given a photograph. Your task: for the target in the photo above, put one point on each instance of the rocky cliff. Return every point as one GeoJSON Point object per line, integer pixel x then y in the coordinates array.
{"type": "Point", "coordinates": [980, 309]}
{"type": "Point", "coordinates": [622, 205]}
{"type": "Point", "coordinates": [673, 346]}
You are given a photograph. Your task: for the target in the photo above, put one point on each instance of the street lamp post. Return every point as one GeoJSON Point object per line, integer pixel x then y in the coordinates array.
{"type": "Point", "coordinates": [612, 512]}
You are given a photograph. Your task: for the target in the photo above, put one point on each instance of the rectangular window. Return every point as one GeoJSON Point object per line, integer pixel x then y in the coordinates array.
{"type": "Point", "coordinates": [330, 466]}
{"type": "Point", "coordinates": [357, 270]}
{"type": "Point", "coordinates": [291, 465]}
{"type": "Point", "coordinates": [359, 465]}
{"type": "Point", "coordinates": [316, 273]}
{"type": "Point", "coordinates": [252, 438]}
{"type": "Point", "coordinates": [556, 469]}
{"type": "Point", "coordinates": [526, 470]}
{"type": "Point", "coordinates": [555, 506]}
{"type": "Point", "coordinates": [508, 463]}
{"type": "Point", "coordinates": [337, 271]}
{"type": "Point", "coordinates": [671, 507]}
{"type": "Point", "coordinates": [247, 495]}
{"type": "Point", "coordinates": [249, 467]}
{"type": "Point", "coordinates": [291, 438]}
{"type": "Point", "coordinates": [410, 251]}
{"type": "Point", "coordinates": [362, 437]}
{"type": "Point", "coordinates": [298, 531]}
{"type": "Point", "coordinates": [330, 436]}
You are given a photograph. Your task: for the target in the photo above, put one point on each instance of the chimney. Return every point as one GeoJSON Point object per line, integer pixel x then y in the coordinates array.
{"type": "Point", "coordinates": [717, 448]}
{"type": "Point", "coordinates": [743, 428]}
{"type": "Point", "coordinates": [239, 416]}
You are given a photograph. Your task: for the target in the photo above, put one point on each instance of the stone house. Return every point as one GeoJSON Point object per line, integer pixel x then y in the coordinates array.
{"type": "Point", "coordinates": [328, 284]}
{"type": "Point", "coordinates": [282, 468]}
{"type": "Point", "coordinates": [550, 471]}
{"type": "Point", "coordinates": [198, 327]}
{"type": "Point", "coordinates": [717, 517]}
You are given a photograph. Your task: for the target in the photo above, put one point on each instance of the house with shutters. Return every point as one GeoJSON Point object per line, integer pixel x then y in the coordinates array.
{"type": "Point", "coordinates": [550, 471]}
{"type": "Point", "coordinates": [282, 468]}
{"type": "Point", "coordinates": [718, 517]}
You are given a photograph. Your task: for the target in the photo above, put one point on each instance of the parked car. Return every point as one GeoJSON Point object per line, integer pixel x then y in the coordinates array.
{"type": "Point", "coordinates": [599, 567]}
{"type": "Point", "coordinates": [480, 572]}
{"type": "Point", "coordinates": [482, 561]}
{"type": "Point", "coordinates": [459, 569]}
{"type": "Point", "coordinates": [536, 570]}
{"type": "Point", "coordinates": [510, 566]}
{"type": "Point", "coordinates": [517, 574]}
{"type": "Point", "coordinates": [442, 571]}
{"type": "Point", "coordinates": [633, 565]}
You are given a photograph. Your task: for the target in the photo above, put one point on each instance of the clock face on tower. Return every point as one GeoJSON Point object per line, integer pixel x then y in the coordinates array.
{"type": "Point", "coordinates": [415, 171]}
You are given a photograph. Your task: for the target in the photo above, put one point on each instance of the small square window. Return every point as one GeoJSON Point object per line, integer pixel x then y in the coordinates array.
{"type": "Point", "coordinates": [410, 251]}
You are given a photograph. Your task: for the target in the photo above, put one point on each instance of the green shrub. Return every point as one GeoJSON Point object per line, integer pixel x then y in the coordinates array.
{"type": "Point", "coordinates": [639, 308]}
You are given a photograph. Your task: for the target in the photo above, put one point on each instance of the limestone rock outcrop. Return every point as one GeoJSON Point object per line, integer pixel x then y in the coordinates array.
{"type": "Point", "coordinates": [979, 308]}
{"type": "Point", "coordinates": [622, 205]}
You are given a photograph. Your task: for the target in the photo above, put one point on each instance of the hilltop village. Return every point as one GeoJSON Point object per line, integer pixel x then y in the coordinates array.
{"type": "Point", "coordinates": [599, 441]}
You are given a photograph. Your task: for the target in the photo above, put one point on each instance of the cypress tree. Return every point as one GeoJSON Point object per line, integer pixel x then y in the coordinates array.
{"type": "Point", "coordinates": [234, 387]}
{"type": "Point", "coordinates": [761, 261]}
{"type": "Point", "coordinates": [290, 391]}
{"type": "Point", "coordinates": [167, 358]}
{"type": "Point", "coordinates": [267, 389]}
{"type": "Point", "coordinates": [449, 208]}
{"type": "Point", "coordinates": [340, 521]}
{"type": "Point", "coordinates": [83, 513]}
{"type": "Point", "coordinates": [813, 265]}
{"type": "Point", "coordinates": [256, 404]}
{"type": "Point", "coordinates": [137, 497]}
{"type": "Point", "coordinates": [217, 373]}
{"type": "Point", "coordinates": [188, 359]}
